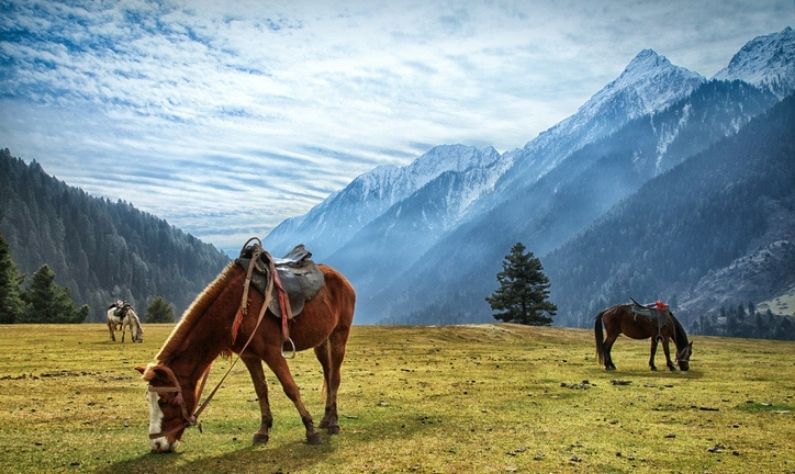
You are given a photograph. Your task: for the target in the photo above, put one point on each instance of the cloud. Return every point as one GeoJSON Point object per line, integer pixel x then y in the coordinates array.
{"type": "Point", "coordinates": [191, 110]}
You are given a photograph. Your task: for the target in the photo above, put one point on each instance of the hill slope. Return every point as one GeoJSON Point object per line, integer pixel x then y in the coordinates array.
{"type": "Point", "coordinates": [695, 233]}
{"type": "Point", "coordinates": [99, 249]}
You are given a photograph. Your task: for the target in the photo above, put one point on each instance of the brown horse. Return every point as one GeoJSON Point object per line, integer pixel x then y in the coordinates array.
{"type": "Point", "coordinates": [621, 319]}
{"type": "Point", "coordinates": [206, 330]}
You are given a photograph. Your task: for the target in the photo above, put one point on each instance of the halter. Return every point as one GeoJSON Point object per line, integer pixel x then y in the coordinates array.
{"type": "Point", "coordinates": [188, 419]}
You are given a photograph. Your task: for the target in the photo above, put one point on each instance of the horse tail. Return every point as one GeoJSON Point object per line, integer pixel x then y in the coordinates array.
{"type": "Point", "coordinates": [600, 337]}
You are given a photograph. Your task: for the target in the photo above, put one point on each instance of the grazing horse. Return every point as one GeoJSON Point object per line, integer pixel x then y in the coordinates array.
{"type": "Point", "coordinates": [660, 325]}
{"type": "Point", "coordinates": [122, 316]}
{"type": "Point", "coordinates": [222, 319]}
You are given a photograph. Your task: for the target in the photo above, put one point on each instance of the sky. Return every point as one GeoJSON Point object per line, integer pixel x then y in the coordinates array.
{"type": "Point", "coordinates": [225, 118]}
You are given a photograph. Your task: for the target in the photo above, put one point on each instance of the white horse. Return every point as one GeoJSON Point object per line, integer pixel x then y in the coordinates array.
{"type": "Point", "coordinates": [122, 316]}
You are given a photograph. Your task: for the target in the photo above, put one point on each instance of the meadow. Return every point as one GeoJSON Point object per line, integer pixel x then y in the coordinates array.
{"type": "Point", "coordinates": [490, 398]}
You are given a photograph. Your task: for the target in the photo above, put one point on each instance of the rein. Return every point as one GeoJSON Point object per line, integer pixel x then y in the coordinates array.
{"type": "Point", "coordinates": [192, 419]}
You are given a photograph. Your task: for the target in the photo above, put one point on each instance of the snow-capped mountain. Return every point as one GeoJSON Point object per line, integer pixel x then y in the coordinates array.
{"type": "Point", "coordinates": [649, 83]}
{"type": "Point", "coordinates": [330, 224]}
{"type": "Point", "coordinates": [546, 213]}
{"type": "Point", "coordinates": [412, 225]}
{"type": "Point", "coordinates": [767, 61]}
{"type": "Point", "coordinates": [418, 241]}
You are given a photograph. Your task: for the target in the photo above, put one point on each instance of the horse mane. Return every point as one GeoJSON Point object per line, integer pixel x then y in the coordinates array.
{"type": "Point", "coordinates": [194, 312]}
{"type": "Point", "coordinates": [135, 318]}
{"type": "Point", "coordinates": [680, 336]}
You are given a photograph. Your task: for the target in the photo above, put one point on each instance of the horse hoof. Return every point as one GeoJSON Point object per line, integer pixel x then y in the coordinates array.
{"type": "Point", "coordinates": [314, 439]}
{"type": "Point", "coordinates": [653, 369]}
{"type": "Point", "coordinates": [260, 438]}
{"type": "Point", "coordinates": [333, 429]}
{"type": "Point", "coordinates": [610, 369]}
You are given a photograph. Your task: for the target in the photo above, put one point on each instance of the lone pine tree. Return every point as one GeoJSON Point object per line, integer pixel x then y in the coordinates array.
{"type": "Point", "coordinates": [523, 295]}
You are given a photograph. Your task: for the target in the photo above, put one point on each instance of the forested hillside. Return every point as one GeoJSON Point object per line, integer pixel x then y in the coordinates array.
{"type": "Point", "coordinates": [99, 249]}
{"type": "Point", "coordinates": [715, 231]}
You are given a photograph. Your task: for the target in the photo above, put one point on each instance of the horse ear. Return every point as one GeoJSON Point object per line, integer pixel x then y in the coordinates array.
{"type": "Point", "coordinates": [140, 368]}
{"type": "Point", "coordinates": [148, 373]}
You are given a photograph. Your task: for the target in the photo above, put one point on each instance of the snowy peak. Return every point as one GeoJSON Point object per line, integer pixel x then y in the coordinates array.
{"type": "Point", "coordinates": [652, 80]}
{"type": "Point", "coordinates": [767, 61]}
{"type": "Point", "coordinates": [649, 83]}
{"type": "Point", "coordinates": [644, 61]}
{"type": "Point", "coordinates": [395, 182]}
{"type": "Point", "coordinates": [327, 226]}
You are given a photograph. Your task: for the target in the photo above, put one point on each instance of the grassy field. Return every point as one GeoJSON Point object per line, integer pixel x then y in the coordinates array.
{"type": "Point", "coordinates": [442, 399]}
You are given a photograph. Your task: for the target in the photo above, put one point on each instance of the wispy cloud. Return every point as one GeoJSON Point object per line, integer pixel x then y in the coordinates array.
{"type": "Point", "coordinates": [227, 119]}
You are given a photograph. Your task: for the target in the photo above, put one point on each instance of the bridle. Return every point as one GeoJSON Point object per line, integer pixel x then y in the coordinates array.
{"type": "Point", "coordinates": [191, 419]}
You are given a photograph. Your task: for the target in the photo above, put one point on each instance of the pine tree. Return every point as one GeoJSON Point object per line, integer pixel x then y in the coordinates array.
{"type": "Point", "coordinates": [50, 303]}
{"type": "Point", "coordinates": [11, 304]}
{"type": "Point", "coordinates": [159, 311]}
{"type": "Point", "coordinates": [523, 295]}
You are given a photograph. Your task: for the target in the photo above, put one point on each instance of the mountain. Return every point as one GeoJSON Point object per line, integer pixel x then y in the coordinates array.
{"type": "Point", "coordinates": [430, 255]}
{"type": "Point", "coordinates": [100, 250]}
{"type": "Point", "coordinates": [718, 229]}
{"type": "Point", "coordinates": [406, 230]}
{"type": "Point", "coordinates": [330, 224]}
{"type": "Point", "coordinates": [766, 61]}
{"type": "Point", "coordinates": [565, 201]}
{"type": "Point", "coordinates": [648, 83]}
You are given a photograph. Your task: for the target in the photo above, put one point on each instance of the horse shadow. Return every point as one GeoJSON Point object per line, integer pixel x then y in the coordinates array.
{"type": "Point", "coordinates": [291, 456]}
{"type": "Point", "coordinates": [662, 373]}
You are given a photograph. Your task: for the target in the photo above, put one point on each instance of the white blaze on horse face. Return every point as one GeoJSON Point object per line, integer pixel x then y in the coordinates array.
{"type": "Point", "coordinates": [156, 423]}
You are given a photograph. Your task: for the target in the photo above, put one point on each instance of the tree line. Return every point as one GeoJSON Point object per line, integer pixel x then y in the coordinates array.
{"type": "Point", "coordinates": [745, 320]}
{"type": "Point", "coordinates": [44, 301]}
{"type": "Point", "coordinates": [100, 250]}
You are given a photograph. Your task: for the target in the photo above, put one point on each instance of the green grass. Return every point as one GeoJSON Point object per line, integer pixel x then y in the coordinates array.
{"type": "Point", "coordinates": [438, 399]}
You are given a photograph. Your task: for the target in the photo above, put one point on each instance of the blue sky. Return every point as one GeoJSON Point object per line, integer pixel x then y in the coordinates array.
{"type": "Point", "coordinates": [227, 119]}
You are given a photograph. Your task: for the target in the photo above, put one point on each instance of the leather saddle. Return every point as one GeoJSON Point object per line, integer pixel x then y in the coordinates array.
{"type": "Point", "coordinates": [651, 311]}
{"type": "Point", "coordinates": [300, 277]}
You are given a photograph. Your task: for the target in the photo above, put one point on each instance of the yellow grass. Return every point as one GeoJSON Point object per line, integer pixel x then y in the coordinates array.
{"type": "Point", "coordinates": [441, 399]}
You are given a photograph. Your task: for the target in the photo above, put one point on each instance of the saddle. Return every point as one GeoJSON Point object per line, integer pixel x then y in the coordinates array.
{"type": "Point", "coordinates": [122, 312]}
{"type": "Point", "coordinates": [658, 312]}
{"type": "Point", "coordinates": [300, 277]}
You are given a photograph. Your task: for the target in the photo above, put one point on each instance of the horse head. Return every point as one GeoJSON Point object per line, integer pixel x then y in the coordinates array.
{"type": "Point", "coordinates": [170, 406]}
{"type": "Point", "coordinates": [139, 334]}
{"type": "Point", "coordinates": [683, 356]}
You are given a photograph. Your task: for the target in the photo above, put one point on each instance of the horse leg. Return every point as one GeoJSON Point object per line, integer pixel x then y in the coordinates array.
{"type": "Point", "coordinates": [333, 351]}
{"type": "Point", "coordinates": [323, 354]}
{"type": "Point", "coordinates": [123, 331]}
{"type": "Point", "coordinates": [668, 362]}
{"type": "Point", "coordinates": [279, 366]}
{"type": "Point", "coordinates": [110, 330]}
{"type": "Point", "coordinates": [254, 366]}
{"type": "Point", "coordinates": [611, 339]}
{"type": "Point", "coordinates": [654, 342]}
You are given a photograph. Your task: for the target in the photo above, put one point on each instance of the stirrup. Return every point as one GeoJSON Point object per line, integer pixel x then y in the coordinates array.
{"type": "Point", "coordinates": [292, 349]}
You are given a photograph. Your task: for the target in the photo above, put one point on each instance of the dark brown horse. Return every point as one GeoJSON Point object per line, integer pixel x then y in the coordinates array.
{"type": "Point", "coordinates": [621, 319]}
{"type": "Point", "coordinates": [206, 330]}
